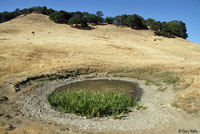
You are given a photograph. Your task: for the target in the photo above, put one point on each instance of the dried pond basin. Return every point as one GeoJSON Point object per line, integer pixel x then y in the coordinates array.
{"type": "Point", "coordinates": [34, 104]}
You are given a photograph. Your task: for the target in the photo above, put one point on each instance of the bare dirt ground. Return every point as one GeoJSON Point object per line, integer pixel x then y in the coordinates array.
{"type": "Point", "coordinates": [32, 45]}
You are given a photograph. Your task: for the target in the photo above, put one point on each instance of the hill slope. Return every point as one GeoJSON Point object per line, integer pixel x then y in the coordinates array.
{"type": "Point", "coordinates": [56, 46]}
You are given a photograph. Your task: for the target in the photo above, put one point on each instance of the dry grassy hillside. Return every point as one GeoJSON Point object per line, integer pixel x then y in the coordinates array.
{"type": "Point", "coordinates": [32, 45]}
{"type": "Point", "coordinates": [57, 46]}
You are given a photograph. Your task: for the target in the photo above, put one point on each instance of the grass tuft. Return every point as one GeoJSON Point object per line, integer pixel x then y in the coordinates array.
{"type": "Point", "coordinates": [91, 104]}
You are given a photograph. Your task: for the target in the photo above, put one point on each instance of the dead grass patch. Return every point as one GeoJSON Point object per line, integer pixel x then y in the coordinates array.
{"type": "Point", "coordinates": [8, 31]}
{"type": "Point", "coordinates": [121, 48]}
{"type": "Point", "coordinates": [184, 83]}
{"type": "Point", "coordinates": [3, 39]}
{"type": "Point", "coordinates": [188, 101]}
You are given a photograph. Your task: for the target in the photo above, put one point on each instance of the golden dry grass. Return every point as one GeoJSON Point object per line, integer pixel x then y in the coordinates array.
{"type": "Point", "coordinates": [188, 101]}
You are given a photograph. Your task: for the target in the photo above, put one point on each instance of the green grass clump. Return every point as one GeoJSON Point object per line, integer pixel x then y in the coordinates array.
{"type": "Point", "coordinates": [91, 104]}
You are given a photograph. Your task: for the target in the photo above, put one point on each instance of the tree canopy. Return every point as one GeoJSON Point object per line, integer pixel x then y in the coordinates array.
{"type": "Point", "coordinates": [78, 19]}
{"type": "Point", "coordinates": [60, 17]}
{"type": "Point", "coordinates": [167, 29]}
{"type": "Point", "coordinates": [136, 22]}
{"type": "Point", "coordinates": [99, 13]}
{"type": "Point", "coordinates": [109, 20]}
{"type": "Point", "coordinates": [178, 28]}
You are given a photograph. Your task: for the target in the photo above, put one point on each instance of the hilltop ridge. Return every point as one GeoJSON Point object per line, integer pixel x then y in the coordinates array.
{"type": "Point", "coordinates": [80, 20]}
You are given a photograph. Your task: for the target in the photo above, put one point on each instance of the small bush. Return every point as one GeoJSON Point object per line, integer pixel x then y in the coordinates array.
{"type": "Point", "coordinates": [91, 104]}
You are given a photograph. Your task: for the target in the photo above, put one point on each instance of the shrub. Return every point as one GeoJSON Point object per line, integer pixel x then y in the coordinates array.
{"type": "Point", "coordinates": [91, 104]}
{"type": "Point", "coordinates": [109, 20]}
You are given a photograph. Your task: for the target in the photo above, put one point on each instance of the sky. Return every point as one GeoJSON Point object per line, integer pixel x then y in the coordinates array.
{"type": "Point", "coordinates": [187, 11]}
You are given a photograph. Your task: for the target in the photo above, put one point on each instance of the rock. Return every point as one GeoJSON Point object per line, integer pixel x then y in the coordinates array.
{"type": "Point", "coordinates": [163, 106]}
{"type": "Point", "coordinates": [17, 89]}
{"type": "Point", "coordinates": [3, 99]}
{"type": "Point", "coordinates": [8, 116]}
{"type": "Point", "coordinates": [64, 129]}
{"type": "Point", "coordinates": [11, 127]}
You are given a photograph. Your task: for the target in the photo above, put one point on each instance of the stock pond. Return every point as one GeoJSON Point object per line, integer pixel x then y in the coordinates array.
{"type": "Point", "coordinates": [103, 86]}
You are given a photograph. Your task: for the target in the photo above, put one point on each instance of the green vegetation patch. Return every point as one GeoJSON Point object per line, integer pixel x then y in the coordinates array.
{"type": "Point", "coordinates": [91, 104]}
